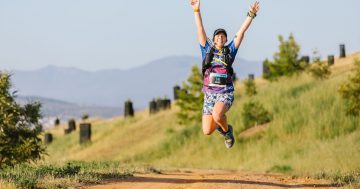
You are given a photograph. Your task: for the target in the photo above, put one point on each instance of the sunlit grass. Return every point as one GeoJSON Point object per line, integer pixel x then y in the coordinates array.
{"type": "Point", "coordinates": [309, 134]}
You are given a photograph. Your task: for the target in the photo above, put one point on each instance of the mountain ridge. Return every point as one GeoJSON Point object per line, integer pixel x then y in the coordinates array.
{"type": "Point", "coordinates": [111, 87]}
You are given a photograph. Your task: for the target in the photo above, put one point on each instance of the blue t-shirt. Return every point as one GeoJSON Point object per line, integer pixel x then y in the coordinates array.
{"type": "Point", "coordinates": [218, 67]}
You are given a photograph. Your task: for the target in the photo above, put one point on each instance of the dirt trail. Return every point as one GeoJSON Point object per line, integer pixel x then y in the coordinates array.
{"type": "Point", "coordinates": [209, 179]}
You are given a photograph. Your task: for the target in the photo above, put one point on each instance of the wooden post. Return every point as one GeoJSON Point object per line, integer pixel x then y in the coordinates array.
{"type": "Point", "coordinates": [265, 69]}
{"type": "Point", "coordinates": [342, 51]}
{"type": "Point", "coordinates": [85, 132]}
{"type": "Point", "coordinates": [160, 104]}
{"type": "Point", "coordinates": [57, 122]}
{"type": "Point", "coordinates": [129, 110]}
{"type": "Point", "coordinates": [331, 60]}
{"type": "Point", "coordinates": [152, 107]}
{"type": "Point", "coordinates": [176, 89]}
{"type": "Point", "coordinates": [72, 125]}
{"type": "Point", "coordinates": [305, 59]}
{"type": "Point", "coordinates": [251, 77]}
{"type": "Point", "coordinates": [167, 103]}
{"type": "Point", "coordinates": [48, 138]}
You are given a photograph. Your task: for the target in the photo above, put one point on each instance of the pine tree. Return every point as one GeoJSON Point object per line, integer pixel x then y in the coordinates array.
{"type": "Point", "coordinates": [191, 98]}
{"type": "Point", "coordinates": [19, 128]}
{"type": "Point", "coordinates": [286, 61]}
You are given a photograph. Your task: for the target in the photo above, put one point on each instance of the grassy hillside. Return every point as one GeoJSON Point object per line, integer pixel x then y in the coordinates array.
{"type": "Point", "coordinates": [309, 134]}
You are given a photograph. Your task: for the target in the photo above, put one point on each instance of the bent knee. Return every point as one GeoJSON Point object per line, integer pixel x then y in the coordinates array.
{"type": "Point", "coordinates": [207, 131]}
{"type": "Point", "coordinates": [218, 117]}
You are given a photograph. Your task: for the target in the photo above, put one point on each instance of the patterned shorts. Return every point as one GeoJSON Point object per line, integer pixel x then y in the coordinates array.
{"type": "Point", "coordinates": [211, 98]}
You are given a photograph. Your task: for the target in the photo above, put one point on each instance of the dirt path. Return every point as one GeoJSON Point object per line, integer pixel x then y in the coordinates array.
{"type": "Point", "coordinates": [199, 179]}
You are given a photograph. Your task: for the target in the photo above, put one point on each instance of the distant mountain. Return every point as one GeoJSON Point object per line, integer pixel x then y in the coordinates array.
{"type": "Point", "coordinates": [66, 110]}
{"type": "Point", "coordinates": [113, 87]}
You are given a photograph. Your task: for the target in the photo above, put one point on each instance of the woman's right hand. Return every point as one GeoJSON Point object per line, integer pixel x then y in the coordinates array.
{"type": "Point", "coordinates": [195, 4]}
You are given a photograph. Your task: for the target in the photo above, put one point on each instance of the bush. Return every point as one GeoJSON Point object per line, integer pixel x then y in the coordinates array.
{"type": "Point", "coordinates": [85, 116]}
{"type": "Point", "coordinates": [37, 176]}
{"type": "Point", "coordinates": [350, 91]}
{"type": "Point", "coordinates": [286, 61]}
{"type": "Point", "coordinates": [255, 114]}
{"type": "Point", "coordinates": [250, 87]}
{"type": "Point", "coordinates": [319, 70]}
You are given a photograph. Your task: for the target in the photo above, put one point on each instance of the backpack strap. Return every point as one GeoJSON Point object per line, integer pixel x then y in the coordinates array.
{"type": "Point", "coordinates": [210, 56]}
{"type": "Point", "coordinates": [229, 61]}
{"type": "Point", "coordinates": [208, 59]}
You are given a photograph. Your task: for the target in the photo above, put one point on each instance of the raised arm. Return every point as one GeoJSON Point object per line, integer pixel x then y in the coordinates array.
{"type": "Point", "coordinates": [254, 8]}
{"type": "Point", "coordinates": [195, 4]}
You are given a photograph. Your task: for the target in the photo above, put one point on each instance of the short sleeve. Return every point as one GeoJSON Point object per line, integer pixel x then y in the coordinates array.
{"type": "Point", "coordinates": [204, 50]}
{"type": "Point", "coordinates": [233, 49]}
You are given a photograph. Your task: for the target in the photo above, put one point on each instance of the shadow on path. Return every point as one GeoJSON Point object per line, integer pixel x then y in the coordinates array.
{"type": "Point", "coordinates": [220, 181]}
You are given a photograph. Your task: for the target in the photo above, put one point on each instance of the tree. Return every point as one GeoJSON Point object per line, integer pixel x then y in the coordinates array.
{"type": "Point", "coordinates": [286, 61]}
{"type": "Point", "coordinates": [19, 128]}
{"type": "Point", "coordinates": [350, 91]}
{"type": "Point", "coordinates": [250, 87]}
{"type": "Point", "coordinates": [191, 98]}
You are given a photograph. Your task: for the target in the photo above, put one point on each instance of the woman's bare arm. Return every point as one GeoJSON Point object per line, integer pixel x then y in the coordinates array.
{"type": "Point", "coordinates": [254, 8]}
{"type": "Point", "coordinates": [195, 4]}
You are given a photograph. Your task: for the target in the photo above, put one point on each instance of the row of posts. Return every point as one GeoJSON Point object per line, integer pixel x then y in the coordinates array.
{"type": "Point", "coordinates": [154, 107]}
{"type": "Point", "coordinates": [159, 104]}
{"type": "Point", "coordinates": [85, 132]}
{"type": "Point", "coordinates": [306, 59]}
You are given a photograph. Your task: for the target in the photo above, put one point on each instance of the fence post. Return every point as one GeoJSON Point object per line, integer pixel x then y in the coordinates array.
{"type": "Point", "coordinates": [48, 138]}
{"type": "Point", "coordinates": [85, 132]}
{"type": "Point", "coordinates": [129, 110]}
{"type": "Point", "coordinates": [331, 60]}
{"type": "Point", "coordinates": [342, 51]}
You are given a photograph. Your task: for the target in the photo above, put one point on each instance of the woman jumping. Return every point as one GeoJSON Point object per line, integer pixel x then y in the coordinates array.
{"type": "Point", "coordinates": [217, 71]}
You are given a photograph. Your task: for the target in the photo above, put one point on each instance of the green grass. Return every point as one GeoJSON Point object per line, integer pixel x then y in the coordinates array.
{"type": "Point", "coordinates": [309, 135]}
{"type": "Point", "coordinates": [62, 175]}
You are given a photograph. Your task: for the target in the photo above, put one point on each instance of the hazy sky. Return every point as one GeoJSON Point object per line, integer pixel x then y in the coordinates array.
{"type": "Point", "coordinates": [104, 34]}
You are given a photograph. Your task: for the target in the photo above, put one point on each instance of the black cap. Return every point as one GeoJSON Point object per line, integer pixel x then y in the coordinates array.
{"type": "Point", "coordinates": [220, 30]}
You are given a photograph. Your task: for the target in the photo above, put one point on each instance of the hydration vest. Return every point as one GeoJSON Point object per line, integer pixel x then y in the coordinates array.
{"type": "Point", "coordinates": [228, 61]}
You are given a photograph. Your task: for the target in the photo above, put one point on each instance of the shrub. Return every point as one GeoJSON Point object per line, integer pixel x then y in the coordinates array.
{"type": "Point", "coordinates": [255, 114]}
{"type": "Point", "coordinates": [319, 70]}
{"type": "Point", "coordinates": [250, 87]}
{"type": "Point", "coordinates": [85, 116]}
{"type": "Point", "coordinates": [350, 91]}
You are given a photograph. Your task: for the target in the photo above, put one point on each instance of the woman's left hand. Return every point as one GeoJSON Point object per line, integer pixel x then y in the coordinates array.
{"type": "Point", "coordinates": [255, 7]}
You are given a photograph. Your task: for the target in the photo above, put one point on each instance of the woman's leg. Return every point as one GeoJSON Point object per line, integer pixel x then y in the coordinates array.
{"type": "Point", "coordinates": [208, 124]}
{"type": "Point", "coordinates": [219, 115]}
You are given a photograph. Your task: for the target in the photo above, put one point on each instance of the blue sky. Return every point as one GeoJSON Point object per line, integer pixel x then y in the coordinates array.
{"type": "Point", "coordinates": [106, 34]}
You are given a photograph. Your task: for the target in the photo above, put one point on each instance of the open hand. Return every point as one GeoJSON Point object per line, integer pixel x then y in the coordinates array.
{"type": "Point", "coordinates": [255, 7]}
{"type": "Point", "coordinates": [195, 4]}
